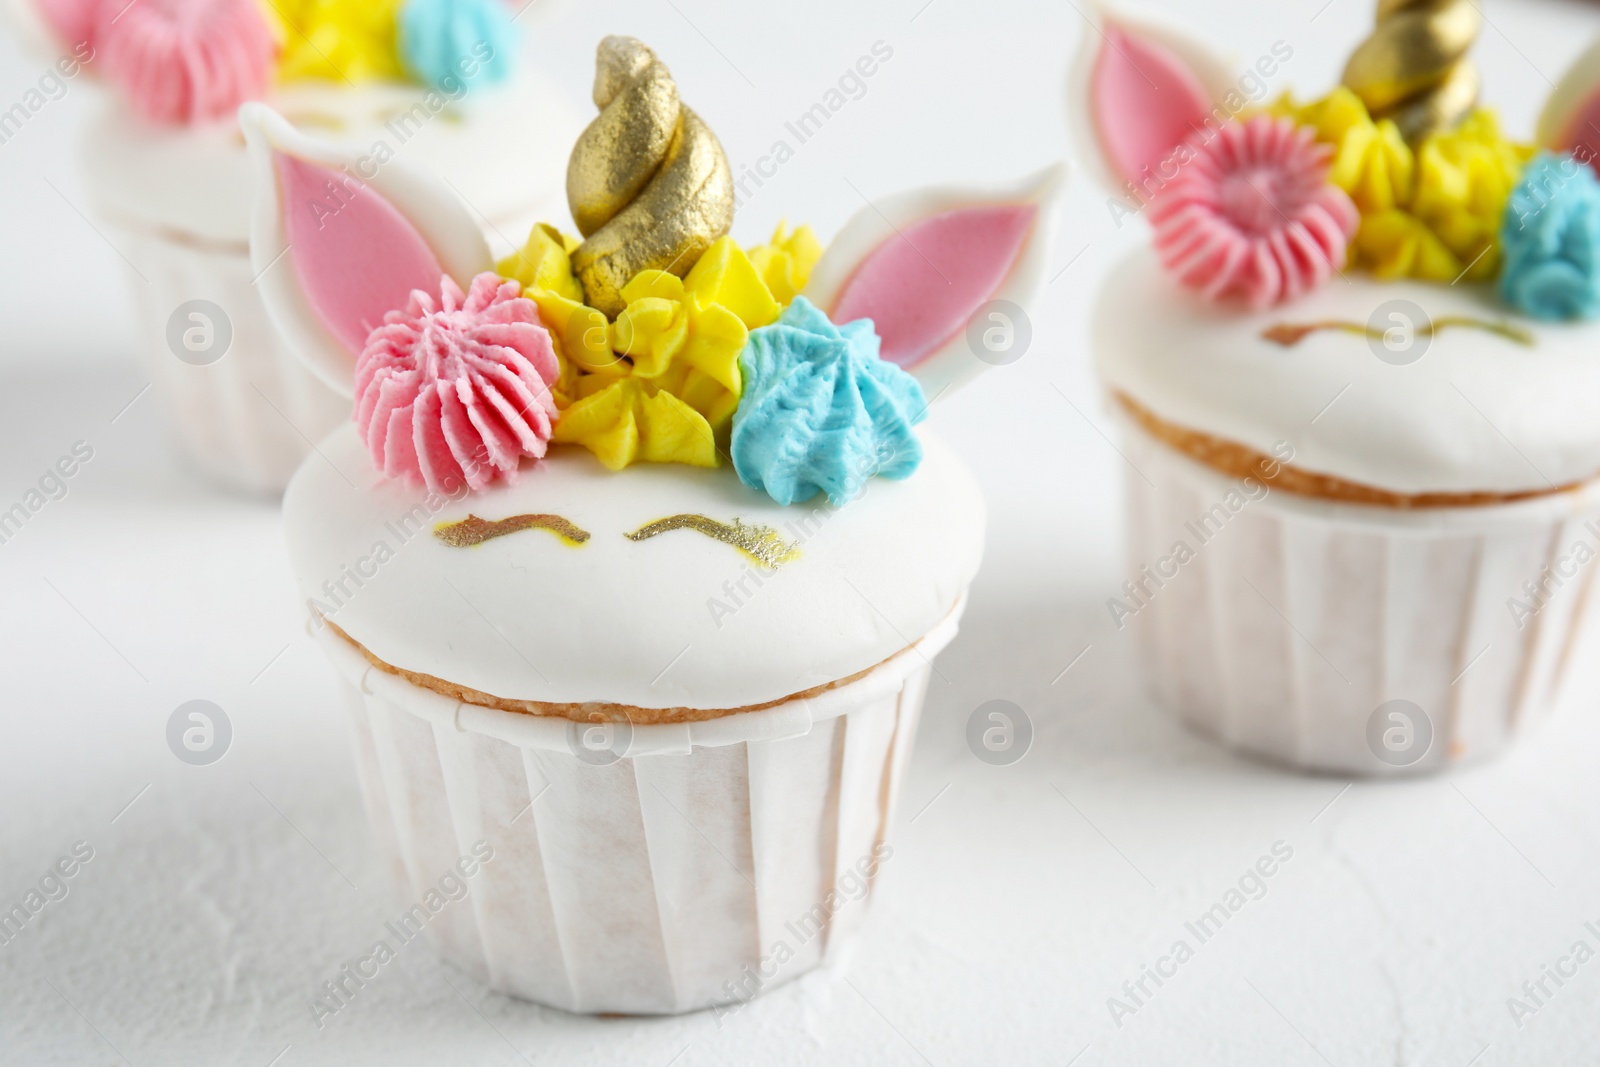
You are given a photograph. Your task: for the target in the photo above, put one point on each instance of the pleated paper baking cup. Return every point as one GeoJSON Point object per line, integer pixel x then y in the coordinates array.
{"type": "Point", "coordinates": [241, 408]}
{"type": "Point", "coordinates": [1345, 638]}
{"type": "Point", "coordinates": [686, 866]}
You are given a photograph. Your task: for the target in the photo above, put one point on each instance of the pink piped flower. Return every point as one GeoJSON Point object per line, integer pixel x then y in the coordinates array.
{"type": "Point", "coordinates": [185, 61]}
{"type": "Point", "coordinates": [1251, 216]}
{"type": "Point", "coordinates": [457, 390]}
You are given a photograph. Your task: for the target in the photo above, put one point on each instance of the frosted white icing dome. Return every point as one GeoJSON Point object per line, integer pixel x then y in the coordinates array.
{"type": "Point", "coordinates": [678, 620]}
{"type": "Point", "coordinates": [1477, 413]}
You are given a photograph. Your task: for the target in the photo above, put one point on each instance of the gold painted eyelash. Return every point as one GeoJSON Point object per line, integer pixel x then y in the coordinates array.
{"type": "Point", "coordinates": [475, 531]}
{"type": "Point", "coordinates": [1289, 334]}
{"type": "Point", "coordinates": [760, 543]}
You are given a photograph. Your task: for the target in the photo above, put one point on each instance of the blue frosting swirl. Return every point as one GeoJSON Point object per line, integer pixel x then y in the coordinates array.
{"type": "Point", "coordinates": [820, 411]}
{"type": "Point", "coordinates": [1550, 237]}
{"type": "Point", "coordinates": [454, 44]}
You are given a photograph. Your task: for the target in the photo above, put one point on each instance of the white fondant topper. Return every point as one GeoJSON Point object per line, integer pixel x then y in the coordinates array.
{"type": "Point", "coordinates": [1136, 90]}
{"type": "Point", "coordinates": [341, 234]}
{"type": "Point", "coordinates": [870, 578]}
{"type": "Point", "coordinates": [993, 247]}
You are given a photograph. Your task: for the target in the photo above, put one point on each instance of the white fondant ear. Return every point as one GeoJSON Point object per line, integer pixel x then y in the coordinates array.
{"type": "Point", "coordinates": [1570, 119]}
{"type": "Point", "coordinates": [340, 236]}
{"type": "Point", "coordinates": [1136, 90]}
{"type": "Point", "coordinates": [923, 263]}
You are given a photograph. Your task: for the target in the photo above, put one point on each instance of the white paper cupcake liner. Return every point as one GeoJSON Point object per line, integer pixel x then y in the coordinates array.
{"type": "Point", "coordinates": [708, 862]}
{"type": "Point", "coordinates": [1297, 621]}
{"type": "Point", "coordinates": [247, 419]}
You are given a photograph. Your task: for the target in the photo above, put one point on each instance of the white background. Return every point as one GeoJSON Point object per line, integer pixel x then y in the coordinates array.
{"type": "Point", "coordinates": [1019, 898]}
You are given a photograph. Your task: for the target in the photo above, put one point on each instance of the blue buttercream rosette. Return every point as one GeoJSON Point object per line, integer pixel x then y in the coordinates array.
{"type": "Point", "coordinates": [820, 411]}
{"type": "Point", "coordinates": [1550, 238]}
{"type": "Point", "coordinates": [453, 44]}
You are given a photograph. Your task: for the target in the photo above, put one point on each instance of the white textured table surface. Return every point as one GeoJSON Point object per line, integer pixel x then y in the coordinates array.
{"type": "Point", "coordinates": [1019, 899]}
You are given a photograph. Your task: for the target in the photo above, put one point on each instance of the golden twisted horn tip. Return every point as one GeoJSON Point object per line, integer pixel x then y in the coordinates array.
{"type": "Point", "coordinates": [643, 204]}
{"type": "Point", "coordinates": [622, 149]}
{"type": "Point", "coordinates": [1438, 109]}
{"type": "Point", "coordinates": [1412, 68]}
{"type": "Point", "coordinates": [1387, 9]}
{"type": "Point", "coordinates": [618, 59]}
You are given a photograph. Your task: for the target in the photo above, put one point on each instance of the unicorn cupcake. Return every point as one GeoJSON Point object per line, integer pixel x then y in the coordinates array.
{"type": "Point", "coordinates": [633, 559]}
{"type": "Point", "coordinates": [443, 83]}
{"type": "Point", "coordinates": [1356, 373]}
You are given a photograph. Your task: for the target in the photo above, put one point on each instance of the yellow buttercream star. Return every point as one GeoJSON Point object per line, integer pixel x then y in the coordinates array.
{"type": "Point", "coordinates": [630, 420]}
{"type": "Point", "coordinates": [338, 40]}
{"type": "Point", "coordinates": [1433, 212]}
{"type": "Point", "coordinates": [702, 321]}
{"type": "Point", "coordinates": [661, 383]}
{"type": "Point", "coordinates": [785, 262]}
{"type": "Point", "coordinates": [1371, 161]}
{"type": "Point", "coordinates": [1396, 244]}
{"type": "Point", "coordinates": [725, 275]}
{"type": "Point", "coordinates": [1464, 178]}
{"type": "Point", "coordinates": [580, 334]}
{"type": "Point", "coordinates": [715, 402]}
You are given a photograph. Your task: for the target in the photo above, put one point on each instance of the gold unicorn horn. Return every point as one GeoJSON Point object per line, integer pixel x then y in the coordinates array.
{"type": "Point", "coordinates": [648, 183]}
{"type": "Point", "coordinates": [1413, 69]}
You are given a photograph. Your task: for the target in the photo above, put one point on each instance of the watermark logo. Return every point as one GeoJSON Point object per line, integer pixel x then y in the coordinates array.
{"type": "Point", "coordinates": [51, 486]}
{"type": "Point", "coordinates": [852, 84]}
{"type": "Point", "coordinates": [999, 733]}
{"type": "Point", "coordinates": [199, 733]}
{"type": "Point", "coordinates": [848, 889]}
{"type": "Point", "coordinates": [415, 522]}
{"type": "Point", "coordinates": [1140, 591]}
{"type": "Point", "coordinates": [337, 993]}
{"type": "Point", "coordinates": [1399, 733]}
{"type": "Point", "coordinates": [199, 332]}
{"type": "Point", "coordinates": [798, 531]}
{"type": "Point", "coordinates": [1249, 88]}
{"type": "Point", "coordinates": [599, 744]}
{"type": "Point", "coordinates": [51, 888]}
{"type": "Point", "coordinates": [999, 333]}
{"type": "Point", "coordinates": [1249, 888]}
{"type": "Point", "coordinates": [1543, 186]}
{"type": "Point", "coordinates": [50, 86]}
{"type": "Point", "coordinates": [1399, 332]}
{"type": "Point", "coordinates": [1542, 590]}
{"type": "Point", "coordinates": [1538, 992]}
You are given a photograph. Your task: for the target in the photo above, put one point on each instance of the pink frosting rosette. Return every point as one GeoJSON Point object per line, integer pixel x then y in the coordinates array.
{"type": "Point", "coordinates": [1251, 215]}
{"type": "Point", "coordinates": [457, 390]}
{"type": "Point", "coordinates": [180, 61]}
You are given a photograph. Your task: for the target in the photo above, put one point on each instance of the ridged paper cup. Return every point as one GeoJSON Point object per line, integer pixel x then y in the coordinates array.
{"type": "Point", "coordinates": [239, 406]}
{"type": "Point", "coordinates": [1345, 638]}
{"type": "Point", "coordinates": [651, 870]}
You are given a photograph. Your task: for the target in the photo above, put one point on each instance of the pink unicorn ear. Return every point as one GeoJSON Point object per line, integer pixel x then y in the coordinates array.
{"type": "Point", "coordinates": [921, 264]}
{"type": "Point", "coordinates": [1570, 120]}
{"type": "Point", "coordinates": [340, 237]}
{"type": "Point", "coordinates": [1137, 93]}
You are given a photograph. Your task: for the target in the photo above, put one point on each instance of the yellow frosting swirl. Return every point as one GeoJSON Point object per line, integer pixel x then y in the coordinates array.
{"type": "Point", "coordinates": [337, 40]}
{"type": "Point", "coordinates": [1430, 212]}
{"type": "Point", "coordinates": [785, 262]}
{"type": "Point", "coordinates": [661, 383]}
